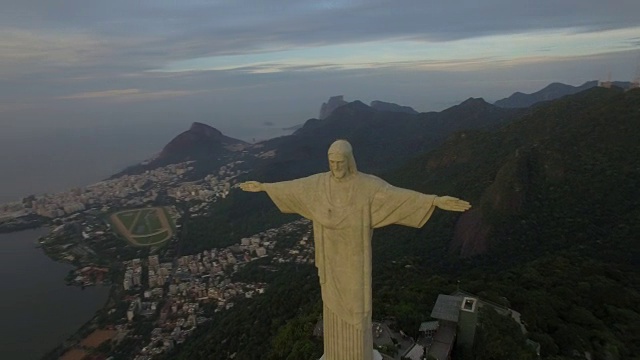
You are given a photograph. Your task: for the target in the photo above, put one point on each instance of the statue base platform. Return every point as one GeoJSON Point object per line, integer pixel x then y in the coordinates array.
{"type": "Point", "coordinates": [376, 355]}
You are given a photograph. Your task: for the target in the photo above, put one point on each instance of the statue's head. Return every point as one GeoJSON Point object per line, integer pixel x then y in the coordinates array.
{"type": "Point", "coordinates": [341, 160]}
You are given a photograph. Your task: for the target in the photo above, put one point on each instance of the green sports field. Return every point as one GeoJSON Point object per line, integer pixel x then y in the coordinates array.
{"type": "Point", "coordinates": [143, 227]}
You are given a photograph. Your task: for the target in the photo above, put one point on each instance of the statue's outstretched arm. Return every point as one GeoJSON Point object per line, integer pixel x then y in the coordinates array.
{"type": "Point", "coordinates": [451, 203]}
{"type": "Point", "coordinates": [252, 186]}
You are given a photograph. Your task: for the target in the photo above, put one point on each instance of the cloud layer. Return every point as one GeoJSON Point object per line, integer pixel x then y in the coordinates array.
{"type": "Point", "coordinates": [82, 53]}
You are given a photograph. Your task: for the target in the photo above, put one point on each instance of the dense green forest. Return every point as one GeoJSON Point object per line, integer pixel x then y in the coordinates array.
{"type": "Point", "coordinates": [553, 234]}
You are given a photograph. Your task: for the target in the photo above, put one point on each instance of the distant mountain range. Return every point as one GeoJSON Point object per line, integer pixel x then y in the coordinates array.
{"type": "Point", "coordinates": [381, 136]}
{"type": "Point", "coordinates": [335, 102]}
{"type": "Point", "coordinates": [550, 92]}
{"type": "Point", "coordinates": [381, 133]}
{"type": "Point", "coordinates": [381, 139]}
{"type": "Point", "coordinates": [517, 100]}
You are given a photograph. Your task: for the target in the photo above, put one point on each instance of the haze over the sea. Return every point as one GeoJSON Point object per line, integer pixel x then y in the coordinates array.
{"type": "Point", "coordinates": [39, 160]}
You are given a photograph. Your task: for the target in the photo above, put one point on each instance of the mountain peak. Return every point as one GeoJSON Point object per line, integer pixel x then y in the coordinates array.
{"type": "Point", "coordinates": [327, 108]}
{"type": "Point", "coordinates": [200, 141]}
{"type": "Point", "coordinates": [350, 109]}
{"type": "Point", "coordinates": [204, 129]}
{"type": "Point", "coordinates": [474, 101]}
{"type": "Point", "coordinates": [471, 104]}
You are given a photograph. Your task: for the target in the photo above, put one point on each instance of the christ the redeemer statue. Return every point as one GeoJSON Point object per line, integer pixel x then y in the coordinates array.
{"type": "Point", "coordinates": [345, 206]}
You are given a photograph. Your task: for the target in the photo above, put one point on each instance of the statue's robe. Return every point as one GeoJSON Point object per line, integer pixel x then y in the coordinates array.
{"type": "Point", "coordinates": [344, 214]}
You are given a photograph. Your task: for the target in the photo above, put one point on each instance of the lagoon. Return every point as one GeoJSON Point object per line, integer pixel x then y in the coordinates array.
{"type": "Point", "coordinates": [39, 309]}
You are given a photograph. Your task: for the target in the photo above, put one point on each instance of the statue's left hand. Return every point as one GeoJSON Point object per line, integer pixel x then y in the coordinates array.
{"type": "Point", "coordinates": [252, 186]}
{"type": "Point", "coordinates": [451, 203]}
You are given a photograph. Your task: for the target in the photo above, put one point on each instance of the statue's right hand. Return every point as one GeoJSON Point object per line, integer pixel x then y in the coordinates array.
{"type": "Point", "coordinates": [252, 186]}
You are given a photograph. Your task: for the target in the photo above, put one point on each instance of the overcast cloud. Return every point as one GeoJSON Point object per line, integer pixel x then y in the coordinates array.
{"type": "Point", "coordinates": [80, 49]}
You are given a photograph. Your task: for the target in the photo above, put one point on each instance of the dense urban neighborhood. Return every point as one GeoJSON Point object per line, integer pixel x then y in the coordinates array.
{"type": "Point", "coordinates": [167, 289]}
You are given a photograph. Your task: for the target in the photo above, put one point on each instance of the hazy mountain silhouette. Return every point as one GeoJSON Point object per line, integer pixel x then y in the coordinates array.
{"type": "Point", "coordinates": [387, 106]}
{"type": "Point", "coordinates": [381, 139]}
{"type": "Point", "coordinates": [550, 92]}
{"type": "Point", "coordinates": [201, 143]}
{"type": "Point", "coordinates": [333, 103]}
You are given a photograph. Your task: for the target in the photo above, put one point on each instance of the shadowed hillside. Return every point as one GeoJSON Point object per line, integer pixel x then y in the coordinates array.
{"type": "Point", "coordinates": [554, 228]}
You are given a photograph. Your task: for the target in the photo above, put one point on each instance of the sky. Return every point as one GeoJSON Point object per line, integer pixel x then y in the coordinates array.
{"type": "Point", "coordinates": [243, 63]}
{"type": "Point", "coordinates": [149, 68]}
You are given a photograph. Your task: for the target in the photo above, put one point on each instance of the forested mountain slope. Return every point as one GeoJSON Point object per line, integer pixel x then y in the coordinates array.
{"type": "Point", "coordinates": [554, 227]}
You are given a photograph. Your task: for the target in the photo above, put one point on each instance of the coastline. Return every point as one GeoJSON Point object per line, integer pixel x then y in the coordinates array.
{"type": "Point", "coordinates": [91, 324]}
{"type": "Point", "coordinates": [84, 330]}
{"type": "Point", "coordinates": [32, 222]}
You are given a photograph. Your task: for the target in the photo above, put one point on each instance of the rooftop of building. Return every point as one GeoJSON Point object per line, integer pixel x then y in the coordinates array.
{"type": "Point", "coordinates": [447, 308]}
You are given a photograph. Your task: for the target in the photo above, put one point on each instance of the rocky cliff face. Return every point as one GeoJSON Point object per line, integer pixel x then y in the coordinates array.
{"type": "Point", "coordinates": [504, 198]}
{"type": "Point", "coordinates": [327, 108]}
